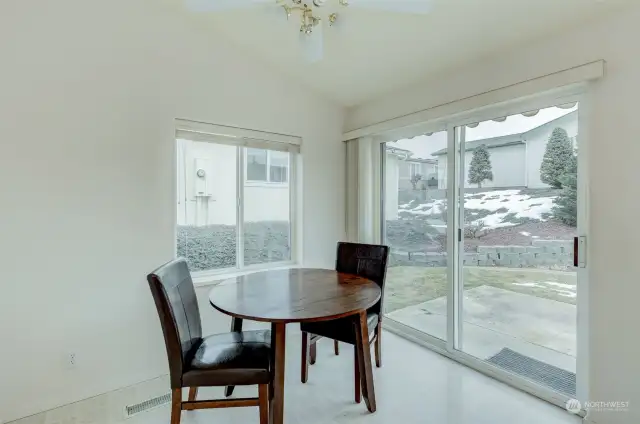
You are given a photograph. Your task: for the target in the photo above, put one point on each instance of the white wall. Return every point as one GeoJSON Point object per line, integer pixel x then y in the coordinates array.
{"type": "Point", "coordinates": [612, 123]}
{"type": "Point", "coordinates": [89, 93]}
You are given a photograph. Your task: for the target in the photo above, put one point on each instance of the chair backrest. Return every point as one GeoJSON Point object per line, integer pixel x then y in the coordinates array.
{"type": "Point", "coordinates": [175, 299]}
{"type": "Point", "coordinates": [364, 260]}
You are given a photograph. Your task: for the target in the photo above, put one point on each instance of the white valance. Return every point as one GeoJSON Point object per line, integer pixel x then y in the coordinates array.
{"type": "Point", "coordinates": [221, 134]}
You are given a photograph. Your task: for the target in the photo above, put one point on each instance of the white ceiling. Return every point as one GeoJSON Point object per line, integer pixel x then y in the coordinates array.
{"type": "Point", "coordinates": [373, 53]}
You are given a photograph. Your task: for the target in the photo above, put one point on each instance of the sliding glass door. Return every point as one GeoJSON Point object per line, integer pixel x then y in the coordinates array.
{"type": "Point", "coordinates": [518, 220]}
{"type": "Point", "coordinates": [482, 218]}
{"type": "Point", "coordinates": [415, 227]}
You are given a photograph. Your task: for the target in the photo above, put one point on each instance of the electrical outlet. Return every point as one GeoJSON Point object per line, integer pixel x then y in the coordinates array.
{"type": "Point", "coordinates": [71, 361]}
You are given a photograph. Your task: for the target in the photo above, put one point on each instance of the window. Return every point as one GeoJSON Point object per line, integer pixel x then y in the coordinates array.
{"type": "Point", "coordinates": [224, 223]}
{"type": "Point", "coordinates": [278, 167]}
{"type": "Point", "coordinates": [256, 165]}
{"type": "Point", "coordinates": [414, 169]}
{"type": "Point", "coordinates": [267, 166]}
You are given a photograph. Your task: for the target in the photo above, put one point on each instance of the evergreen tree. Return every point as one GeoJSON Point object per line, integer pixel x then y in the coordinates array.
{"type": "Point", "coordinates": [415, 180]}
{"type": "Point", "coordinates": [565, 207]}
{"type": "Point", "coordinates": [480, 168]}
{"type": "Point", "coordinates": [557, 158]}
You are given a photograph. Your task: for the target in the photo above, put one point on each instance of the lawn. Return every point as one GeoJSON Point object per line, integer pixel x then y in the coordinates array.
{"type": "Point", "coordinates": [411, 285]}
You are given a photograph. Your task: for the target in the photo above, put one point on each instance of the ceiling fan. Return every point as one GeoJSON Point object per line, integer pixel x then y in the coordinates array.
{"type": "Point", "coordinates": [312, 17]}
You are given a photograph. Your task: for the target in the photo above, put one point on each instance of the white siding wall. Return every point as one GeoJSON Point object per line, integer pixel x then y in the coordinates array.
{"type": "Point", "coordinates": [404, 173]}
{"type": "Point", "coordinates": [442, 172]}
{"type": "Point", "coordinates": [220, 167]}
{"type": "Point", "coordinates": [507, 164]}
{"type": "Point", "coordinates": [429, 170]}
{"type": "Point", "coordinates": [391, 187]}
{"type": "Point", "coordinates": [263, 201]}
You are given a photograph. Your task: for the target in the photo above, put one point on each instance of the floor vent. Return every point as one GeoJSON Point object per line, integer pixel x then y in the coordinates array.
{"type": "Point", "coordinates": [131, 410]}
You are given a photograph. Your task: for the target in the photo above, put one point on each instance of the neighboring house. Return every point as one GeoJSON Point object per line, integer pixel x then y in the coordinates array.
{"type": "Point", "coordinates": [409, 166]}
{"type": "Point", "coordinates": [207, 193]}
{"type": "Point", "coordinates": [400, 167]}
{"type": "Point", "coordinates": [426, 168]}
{"type": "Point", "coordinates": [516, 158]}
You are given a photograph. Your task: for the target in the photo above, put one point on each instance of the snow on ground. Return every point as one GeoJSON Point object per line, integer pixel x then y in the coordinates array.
{"type": "Point", "coordinates": [497, 201]}
{"type": "Point", "coordinates": [567, 290]}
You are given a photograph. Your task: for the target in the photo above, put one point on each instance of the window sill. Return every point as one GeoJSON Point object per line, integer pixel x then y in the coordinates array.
{"type": "Point", "coordinates": [210, 279]}
{"type": "Point", "coordinates": [265, 184]}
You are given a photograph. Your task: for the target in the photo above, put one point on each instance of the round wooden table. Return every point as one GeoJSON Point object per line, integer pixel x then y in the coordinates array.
{"type": "Point", "coordinates": [299, 295]}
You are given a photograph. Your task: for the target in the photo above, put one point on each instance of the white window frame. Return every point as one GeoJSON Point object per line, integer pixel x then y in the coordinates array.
{"type": "Point", "coordinates": [268, 181]}
{"type": "Point", "coordinates": [243, 139]}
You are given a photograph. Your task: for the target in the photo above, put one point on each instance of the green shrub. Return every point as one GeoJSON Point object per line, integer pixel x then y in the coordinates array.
{"type": "Point", "coordinates": [214, 246]}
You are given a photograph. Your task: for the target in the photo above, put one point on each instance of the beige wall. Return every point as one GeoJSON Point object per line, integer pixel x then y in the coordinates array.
{"type": "Point", "coordinates": [89, 93]}
{"type": "Point", "coordinates": [611, 121]}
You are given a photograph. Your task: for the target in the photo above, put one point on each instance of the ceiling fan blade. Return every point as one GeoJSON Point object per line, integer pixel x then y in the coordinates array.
{"type": "Point", "coordinates": [313, 44]}
{"type": "Point", "coordinates": [220, 5]}
{"type": "Point", "coordinates": [401, 6]}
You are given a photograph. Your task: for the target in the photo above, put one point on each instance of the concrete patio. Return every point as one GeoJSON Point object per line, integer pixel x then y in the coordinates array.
{"type": "Point", "coordinates": [496, 318]}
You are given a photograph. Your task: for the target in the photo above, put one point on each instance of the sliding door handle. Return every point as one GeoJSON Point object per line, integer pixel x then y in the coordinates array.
{"type": "Point", "coordinates": [580, 252]}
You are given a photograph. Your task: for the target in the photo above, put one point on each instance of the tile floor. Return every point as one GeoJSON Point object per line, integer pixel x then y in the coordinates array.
{"type": "Point", "coordinates": [414, 385]}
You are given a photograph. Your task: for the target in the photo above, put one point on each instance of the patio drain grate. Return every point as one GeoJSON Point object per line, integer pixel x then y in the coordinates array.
{"type": "Point", "coordinates": [556, 378]}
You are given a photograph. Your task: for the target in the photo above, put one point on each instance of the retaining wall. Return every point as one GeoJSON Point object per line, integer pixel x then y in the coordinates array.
{"type": "Point", "coordinates": [540, 254]}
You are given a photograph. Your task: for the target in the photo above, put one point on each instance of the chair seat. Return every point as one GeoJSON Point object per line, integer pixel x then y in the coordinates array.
{"type": "Point", "coordinates": [341, 329]}
{"type": "Point", "coordinates": [240, 358]}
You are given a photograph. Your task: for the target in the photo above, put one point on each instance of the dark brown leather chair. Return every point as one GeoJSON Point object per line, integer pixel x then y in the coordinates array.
{"type": "Point", "coordinates": [238, 358]}
{"type": "Point", "coordinates": [365, 260]}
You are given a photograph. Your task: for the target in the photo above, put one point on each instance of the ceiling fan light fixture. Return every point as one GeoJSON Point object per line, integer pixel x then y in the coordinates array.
{"type": "Point", "coordinates": [310, 24]}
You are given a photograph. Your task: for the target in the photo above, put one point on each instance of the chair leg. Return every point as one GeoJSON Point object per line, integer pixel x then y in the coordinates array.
{"type": "Point", "coordinates": [379, 345]}
{"type": "Point", "coordinates": [193, 393]}
{"type": "Point", "coordinates": [313, 352]}
{"type": "Point", "coordinates": [176, 406]}
{"type": "Point", "coordinates": [336, 347]}
{"type": "Point", "coordinates": [228, 391]}
{"type": "Point", "coordinates": [263, 399]}
{"type": "Point", "coordinates": [304, 368]}
{"type": "Point", "coordinates": [236, 326]}
{"type": "Point", "coordinates": [356, 369]}
{"type": "Point", "coordinates": [364, 362]}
